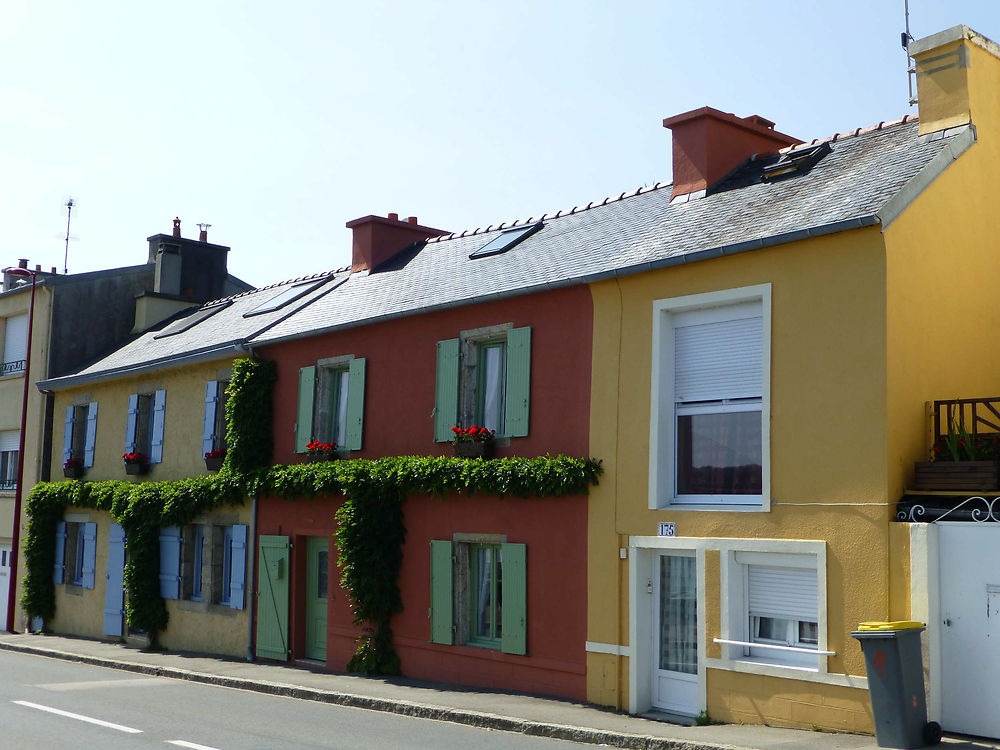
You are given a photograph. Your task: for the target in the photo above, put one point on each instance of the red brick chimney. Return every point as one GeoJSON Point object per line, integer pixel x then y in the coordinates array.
{"type": "Point", "coordinates": [709, 144]}
{"type": "Point", "coordinates": [377, 239]}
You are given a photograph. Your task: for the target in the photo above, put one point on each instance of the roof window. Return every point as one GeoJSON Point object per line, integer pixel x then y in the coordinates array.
{"type": "Point", "coordinates": [189, 322]}
{"type": "Point", "coordinates": [796, 161]}
{"type": "Point", "coordinates": [506, 240]}
{"type": "Point", "coordinates": [280, 300]}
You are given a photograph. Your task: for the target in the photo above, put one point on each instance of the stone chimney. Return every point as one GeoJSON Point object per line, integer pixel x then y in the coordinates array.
{"type": "Point", "coordinates": [190, 269]}
{"type": "Point", "coordinates": [376, 240]}
{"type": "Point", "coordinates": [709, 144]}
{"type": "Point", "coordinates": [957, 78]}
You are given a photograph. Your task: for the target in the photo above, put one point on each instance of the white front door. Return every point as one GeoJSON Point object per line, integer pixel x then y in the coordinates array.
{"type": "Point", "coordinates": [969, 562]}
{"type": "Point", "coordinates": [675, 634]}
{"type": "Point", "coordinates": [4, 582]}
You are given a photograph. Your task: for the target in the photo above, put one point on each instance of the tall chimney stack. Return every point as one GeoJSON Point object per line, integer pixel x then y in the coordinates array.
{"type": "Point", "coordinates": [375, 240]}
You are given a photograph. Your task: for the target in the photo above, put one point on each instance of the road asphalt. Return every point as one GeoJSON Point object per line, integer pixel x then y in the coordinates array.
{"type": "Point", "coordinates": [504, 711]}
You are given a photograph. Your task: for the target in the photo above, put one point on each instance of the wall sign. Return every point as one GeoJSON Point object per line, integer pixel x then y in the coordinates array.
{"type": "Point", "coordinates": [668, 529]}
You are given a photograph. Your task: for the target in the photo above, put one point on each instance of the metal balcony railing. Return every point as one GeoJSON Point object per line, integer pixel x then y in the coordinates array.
{"type": "Point", "coordinates": [13, 367]}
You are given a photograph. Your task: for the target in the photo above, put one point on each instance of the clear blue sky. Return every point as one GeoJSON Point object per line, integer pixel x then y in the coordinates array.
{"type": "Point", "coordinates": [279, 122]}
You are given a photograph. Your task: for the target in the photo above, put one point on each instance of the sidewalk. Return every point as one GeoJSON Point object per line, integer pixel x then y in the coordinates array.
{"type": "Point", "coordinates": [512, 712]}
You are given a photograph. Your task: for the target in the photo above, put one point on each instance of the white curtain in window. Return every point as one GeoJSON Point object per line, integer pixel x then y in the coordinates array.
{"type": "Point", "coordinates": [678, 614]}
{"type": "Point", "coordinates": [15, 342]}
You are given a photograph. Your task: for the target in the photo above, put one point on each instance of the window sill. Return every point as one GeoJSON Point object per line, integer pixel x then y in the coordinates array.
{"type": "Point", "coordinates": [756, 506]}
{"type": "Point", "coordinates": [789, 672]}
{"type": "Point", "coordinates": [74, 589]}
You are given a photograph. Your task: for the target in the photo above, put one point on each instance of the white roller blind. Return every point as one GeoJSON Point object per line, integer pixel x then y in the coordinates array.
{"type": "Point", "coordinates": [15, 341]}
{"type": "Point", "coordinates": [718, 358]}
{"type": "Point", "coordinates": [10, 440]}
{"type": "Point", "coordinates": [789, 593]}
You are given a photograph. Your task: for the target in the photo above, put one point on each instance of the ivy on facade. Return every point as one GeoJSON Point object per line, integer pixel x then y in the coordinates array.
{"type": "Point", "coordinates": [370, 526]}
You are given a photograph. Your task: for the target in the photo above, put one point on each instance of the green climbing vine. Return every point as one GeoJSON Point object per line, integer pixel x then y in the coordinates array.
{"type": "Point", "coordinates": [370, 525]}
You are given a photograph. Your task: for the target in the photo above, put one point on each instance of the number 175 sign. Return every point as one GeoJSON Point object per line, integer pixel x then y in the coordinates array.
{"type": "Point", "coordinates": [668, 529]}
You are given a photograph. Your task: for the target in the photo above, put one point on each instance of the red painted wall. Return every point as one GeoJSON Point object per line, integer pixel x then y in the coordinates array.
{"type": "Point", "coordinates": [399, 399]}
{"type": "Point", "coordinates": [401, 362]}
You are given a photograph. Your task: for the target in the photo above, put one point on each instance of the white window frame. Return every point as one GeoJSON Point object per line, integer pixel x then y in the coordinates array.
{"type": "Point", "coordinates": [736, 624]}
{"type": "Point", "coordinates": [663, 412]}
{"type": "Point", "coordinates": [330, 404]}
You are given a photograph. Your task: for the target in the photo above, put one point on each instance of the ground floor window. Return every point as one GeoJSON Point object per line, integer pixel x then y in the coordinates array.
{"type": "Point", "coordinates": [479, 592]}
{"type": "Point", "coordinates": [204, 562]}
{"type": "Point", "coordinates": [75, 553]}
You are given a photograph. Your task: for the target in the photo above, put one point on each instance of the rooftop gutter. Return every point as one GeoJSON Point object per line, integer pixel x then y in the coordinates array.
{"type": "Point", "coordinates": [715, 252]}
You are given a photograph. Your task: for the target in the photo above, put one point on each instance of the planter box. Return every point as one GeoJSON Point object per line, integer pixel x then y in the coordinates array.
{"type": "Point", "coordinates": [214, 463]}
{"type": "Point", "coordinates": [474, 449]}
{"type": "Point", "coordinates": [973, 476]}
{"type": "Point", "coordinates": [73, 472]}
{"type": "Point", "coordinates": [319, 457]}
{"type": "Point", "coordinates": [134, 469]}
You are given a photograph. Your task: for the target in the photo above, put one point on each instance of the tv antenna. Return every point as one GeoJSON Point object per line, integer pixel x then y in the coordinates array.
{"type": "Point", "coordinates": [69, 215]}
{"type": "Point", "coordinates": [905, 38]}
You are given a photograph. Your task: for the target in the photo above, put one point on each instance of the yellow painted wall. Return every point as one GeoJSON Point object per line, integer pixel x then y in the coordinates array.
{"type": "Point", "coordinates": [754, 699]}
{"type": "Point", "coordinates": [80, 611]}
{"type": "Point", "coordinates": [827, 441]}
{"type": "Point", "coordinates": [185, 413]}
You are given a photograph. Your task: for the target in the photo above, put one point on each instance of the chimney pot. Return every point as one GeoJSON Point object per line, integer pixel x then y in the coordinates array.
{"type": "Point", "coordinates": [393, 217]}
{"type": "Point", "coordinates": [22, 262]}
{"type": "Point", "coordinates": [38, 267]}
{"type": "Point", "coordinates": [411, 219]}
{"type": "Point", "coordinates": [177, 226]}
{"type": "Point", "coordinates": [53, 271]}
{"type": "Point", "coordinates": [709, 144]}
{"type": "Point", "coordinates": [203, 232]}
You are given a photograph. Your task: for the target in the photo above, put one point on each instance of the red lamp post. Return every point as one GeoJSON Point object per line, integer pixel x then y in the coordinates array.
{"type": "Point", "coordinates": [18, 492]}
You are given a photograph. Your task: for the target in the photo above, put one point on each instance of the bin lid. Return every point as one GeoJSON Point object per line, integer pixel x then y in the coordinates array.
{"type": "Point", "coordinates": [897, 625]}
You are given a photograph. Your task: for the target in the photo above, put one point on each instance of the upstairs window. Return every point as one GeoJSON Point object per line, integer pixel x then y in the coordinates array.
{"type": "Point", "coordinates": [709, 427]}
{"type": "Point", "coordinates": [80, 433]}
{"type": "Point", "coordinates": [213, 436]}
{"type": "Point", "coordinates": [15, 345]}
{"type": "Point", "coordinates": [190, 321]}
{"type": "Point", "coordinates": [284, 298]}
{"type": "Point", "coordinates": [144, 424]}
{"type": "Point", "coordinates": [10, 441]}
{"type": "Point", "coordinates": [504, 241]}
{"type": "Point", "coordinates": [331, 403]}
{"type": "Point", "coordinates": [484, 378]}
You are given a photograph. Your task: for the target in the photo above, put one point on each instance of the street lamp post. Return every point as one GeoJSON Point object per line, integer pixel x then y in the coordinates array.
{"type": "Point", "coordinates": [19, 490]}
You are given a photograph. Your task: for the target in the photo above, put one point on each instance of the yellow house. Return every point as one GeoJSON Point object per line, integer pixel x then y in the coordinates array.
{"type": "Point", "coordinates": [758, 400]}
{"type": "Point", "coordinates": [151, 411]}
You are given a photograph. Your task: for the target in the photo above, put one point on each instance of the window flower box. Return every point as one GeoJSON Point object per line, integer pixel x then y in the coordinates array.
{"type": "Point", "coordinates": [136, 463]}
{"type": "Point", "coordinates": [214, 460]}
{"type": "Point", "coordinates": [973, 476]}
{"type": "Point", "coordinates": [317, 452]}
{"type": "Point", "coordinates": [472, 442]}
{"type": "Point", "coordinates": [73, 468]}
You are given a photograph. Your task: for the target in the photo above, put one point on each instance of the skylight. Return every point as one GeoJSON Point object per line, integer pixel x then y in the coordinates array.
{"type": "Point", "coordinates": [506, 240]}
{"type": "Point", "coordinates": [289, 295]}
{"type": "Point", "coordinates": [184, 324]}
{"type": "Point", "coordinates": [797, 161]}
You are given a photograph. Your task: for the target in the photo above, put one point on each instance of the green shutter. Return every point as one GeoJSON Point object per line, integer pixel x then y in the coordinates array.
{"type": "Point", "coordinates": [518, 382]}
{"type": "Point", "coordinates": [355, 404]}
{"type": "Point", "coordinates": [515, 599]}
{"type": "Point", "coordinates": [304, 416]}
{"type": "Point", "coordinates": [446, 390]}
{"type": "Point", "coordinates": [441, 614]}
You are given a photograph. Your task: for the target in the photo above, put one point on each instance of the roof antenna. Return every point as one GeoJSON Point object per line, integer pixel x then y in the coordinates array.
{"type": "Point", "coordinates": [69, 214]}
{"type": "Point", "coordinates": [905, 40]}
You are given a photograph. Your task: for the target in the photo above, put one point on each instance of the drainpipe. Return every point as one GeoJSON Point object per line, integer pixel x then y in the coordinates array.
{"type": "Point", "coordinates": [251, 597]}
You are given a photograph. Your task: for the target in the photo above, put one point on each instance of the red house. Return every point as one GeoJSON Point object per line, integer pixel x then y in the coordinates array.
{"type": "Point", "coordinates": [430, 331]}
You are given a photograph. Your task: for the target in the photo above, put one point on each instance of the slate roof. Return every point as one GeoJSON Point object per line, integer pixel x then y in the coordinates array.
{"type": "Point", "coordinates": [222, 333]}
{"type": "Point", "coordinates": [867, 176]}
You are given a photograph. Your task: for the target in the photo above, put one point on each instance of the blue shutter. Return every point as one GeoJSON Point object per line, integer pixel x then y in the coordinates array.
{"type": "Point", "coordinates": [114, 591]}
{"type": "Point", "coordinates": [446, 390]}
{"type": "Point", "coordinates": [159, 413]}
{"type": "Point", "coordinates": [59, 564]}
{"type": "Point", "coordinates": [211, 407]}
{"type": "Point", "coordinates": [355, 404]}
{"type": "Point", "coordinates": [304, 415]}
{"type": "Point", "coordinates": [68, 434]}
{"type": "Point", "coordinates": [131, 422]}
{"type": "Point", "coordinates": [89, 555]}
{"type": "Point", "coordinates": [170, 562]}
{"type": "Point", "coordinates": [91, 436]}
{"type": "Point", "coordinates": [238, 571]}
{"type": "Point", "coordinates": [514, 596]}
{"type": "Point", "coordinates": [518, 386]}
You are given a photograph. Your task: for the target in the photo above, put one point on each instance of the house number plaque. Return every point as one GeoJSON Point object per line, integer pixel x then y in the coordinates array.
{"type": "Point", "coordinates": [668, 529]}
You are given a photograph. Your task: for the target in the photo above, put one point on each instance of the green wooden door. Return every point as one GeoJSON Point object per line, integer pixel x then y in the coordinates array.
{"type": "Point", "coordinates": [272, 598]}
{"type": "Point", "coordinates": [317, 594]}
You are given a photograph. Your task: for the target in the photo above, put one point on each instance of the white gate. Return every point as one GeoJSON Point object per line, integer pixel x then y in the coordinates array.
{"type": "Point", "coordinates": [969, 565]}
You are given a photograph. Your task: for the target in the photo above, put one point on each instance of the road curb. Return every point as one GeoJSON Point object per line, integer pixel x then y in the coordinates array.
{"type": "Point", "coordinates": [478, 719]}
